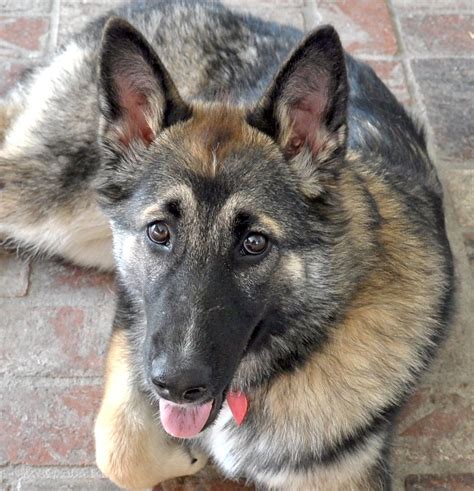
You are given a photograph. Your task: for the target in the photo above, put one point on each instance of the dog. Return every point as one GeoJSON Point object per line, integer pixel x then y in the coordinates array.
{"type": "Point", "coordinates": [276, 225]}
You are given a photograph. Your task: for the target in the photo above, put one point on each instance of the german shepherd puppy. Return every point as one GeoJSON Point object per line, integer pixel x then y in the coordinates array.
{"type": "Point", "coordinates": [283, 269]}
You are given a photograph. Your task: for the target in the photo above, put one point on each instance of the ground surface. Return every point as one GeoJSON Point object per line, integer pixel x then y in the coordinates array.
{"type": "Point", "coordinates": [54, 319]}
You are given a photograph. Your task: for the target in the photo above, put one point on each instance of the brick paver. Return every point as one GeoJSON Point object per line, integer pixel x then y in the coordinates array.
{"type": "Point", "coordinates": [14, 276]}
{"type": "Point", "coordinates": [430, 482]}
{"type": "Point", "coordinates": [365, 26]}
{"type": "Point", "coordinates": [11, 71]}
{"type": "Point", "coordinates": [443, 34]}
{"type": "Point", "coordinates": [443, 86]}
{"type": "Point", "coordinates": [70, 484]}
{"type": "Point", "coordinates": [21, 36]}
{"type": "Point", "coordinates": [54, 341]}
{"type": "Point", "coordinates": [55, 318]}
{"type": "Point", "coordinates": [47, 423]}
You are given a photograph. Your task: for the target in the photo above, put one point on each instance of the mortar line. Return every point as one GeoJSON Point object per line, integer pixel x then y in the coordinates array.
{"type": "Point", "coordinates": [54, 29]}
{"type": "Point", "coordinates": [25, 472]}
{"type": "Point", "coordinates": [421, 111]}
{"type": "Point", "coordinates": [53, 381]}
{"type": "Point", "coordinates": [310, 18]}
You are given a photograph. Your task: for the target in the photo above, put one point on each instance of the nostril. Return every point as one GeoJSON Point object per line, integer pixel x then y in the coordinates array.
{"type": "Point", "coordinates": [158, 383]}
{"type": "Point", "coordinates": [179, 384]}
{"type": "Point", "coordinates": [194, 393]}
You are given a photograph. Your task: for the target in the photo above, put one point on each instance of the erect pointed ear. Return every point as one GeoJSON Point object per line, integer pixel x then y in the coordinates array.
{"type": "Point", "coordinates": [304, 108]}
{"type": "Point", "coordinates": [137, 96]}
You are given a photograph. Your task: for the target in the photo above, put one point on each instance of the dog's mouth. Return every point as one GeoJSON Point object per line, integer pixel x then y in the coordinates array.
{"type": "Point", "coordinates": [188, 420]}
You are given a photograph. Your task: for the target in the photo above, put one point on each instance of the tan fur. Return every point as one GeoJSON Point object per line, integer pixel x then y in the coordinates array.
{"type": "Point", "coordinates": [368, 358]}
{"type": "Point", "coordinates": [293, 267]}
{"type": "Point", "coordinates": [181, 192]}
{"type": "Point", "coordinates": [228, 210]}
{"type": "Point", "coordinates": [81, 234]}
{"type": "Point", "coordinates": [132, 450]}
{"type": "Point", "coordinates": [272, 225]}
{"type": "Point", "coordinates": [7, 115]}
{"type": "Point", "coordinates": [352, 473]}
{"type": "Point", "coordinates": [8, 200]}
{"type": "Point", "coordinates": [213, 132]}
{"type": "Point", "coordinates": [243, 201]}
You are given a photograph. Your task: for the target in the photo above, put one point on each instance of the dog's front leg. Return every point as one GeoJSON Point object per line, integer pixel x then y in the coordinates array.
{"type": "Point", "coordinates": [132, 449]}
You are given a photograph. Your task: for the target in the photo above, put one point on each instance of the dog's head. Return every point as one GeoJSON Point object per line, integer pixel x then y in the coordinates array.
{"type": "Point", "coordinates": [225, 219]}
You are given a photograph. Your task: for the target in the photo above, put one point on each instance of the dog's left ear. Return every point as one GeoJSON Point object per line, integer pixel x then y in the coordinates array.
{"type": "Point", "coordinates": [137, 96]}
{"type": "Point", "coordinates": [304, 108]}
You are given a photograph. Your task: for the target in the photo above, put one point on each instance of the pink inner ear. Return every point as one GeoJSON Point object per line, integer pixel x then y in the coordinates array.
{"type": "Point", "coordinates": [307, 119]}
{"type": "Point", "coordinates": [307, 127]}
{"type": "Point", "coordinates": [135, 106]}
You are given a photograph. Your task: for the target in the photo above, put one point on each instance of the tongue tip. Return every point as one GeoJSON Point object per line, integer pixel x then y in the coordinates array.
{"type": "Point", "coordinates": [184, 422]}
{"type": "Point", "coordinates": [181, 434]}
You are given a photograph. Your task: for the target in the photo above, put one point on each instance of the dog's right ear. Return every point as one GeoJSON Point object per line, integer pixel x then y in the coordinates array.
{"type": "Point", "coordinates": [137, 96]}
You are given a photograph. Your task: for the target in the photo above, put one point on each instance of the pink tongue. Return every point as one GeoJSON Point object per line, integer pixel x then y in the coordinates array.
{"type": "Point", "coordinates": [184, 421]}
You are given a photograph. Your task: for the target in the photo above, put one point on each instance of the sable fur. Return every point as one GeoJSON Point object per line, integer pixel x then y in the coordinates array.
{"type": "Point", "coordinates": [222, 124]}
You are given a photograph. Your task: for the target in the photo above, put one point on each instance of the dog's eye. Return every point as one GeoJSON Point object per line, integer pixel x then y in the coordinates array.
{"type": "Point", "coordinates": [158, 232]}
{"type": "Point", "coordinates": [255, 244]}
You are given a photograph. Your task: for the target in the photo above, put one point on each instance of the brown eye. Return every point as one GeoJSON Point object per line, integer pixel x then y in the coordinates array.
{"type": "Point", "coordinates": [158, 232]}
{"type": "Point", "coordinates": [255, 244]}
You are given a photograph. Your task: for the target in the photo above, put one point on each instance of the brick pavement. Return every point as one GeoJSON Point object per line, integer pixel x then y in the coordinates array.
{"type": "Point", "coordinates": [60, 315]}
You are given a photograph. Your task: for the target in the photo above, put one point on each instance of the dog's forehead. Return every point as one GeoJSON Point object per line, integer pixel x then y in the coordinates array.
{"type": "Point", "coordinates": [217, 167]}
{"type": "Point", "coordinates": [213, 135]}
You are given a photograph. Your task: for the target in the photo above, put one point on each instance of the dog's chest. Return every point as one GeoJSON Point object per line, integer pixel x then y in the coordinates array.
{"type": "Point", "coordinates": [241, 451]}
{"type": "Point", "coordinates": [228, 445]}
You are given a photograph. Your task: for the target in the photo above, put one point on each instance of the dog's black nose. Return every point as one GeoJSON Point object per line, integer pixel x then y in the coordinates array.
{"type": "Point", "coordinates": [180, 385]}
